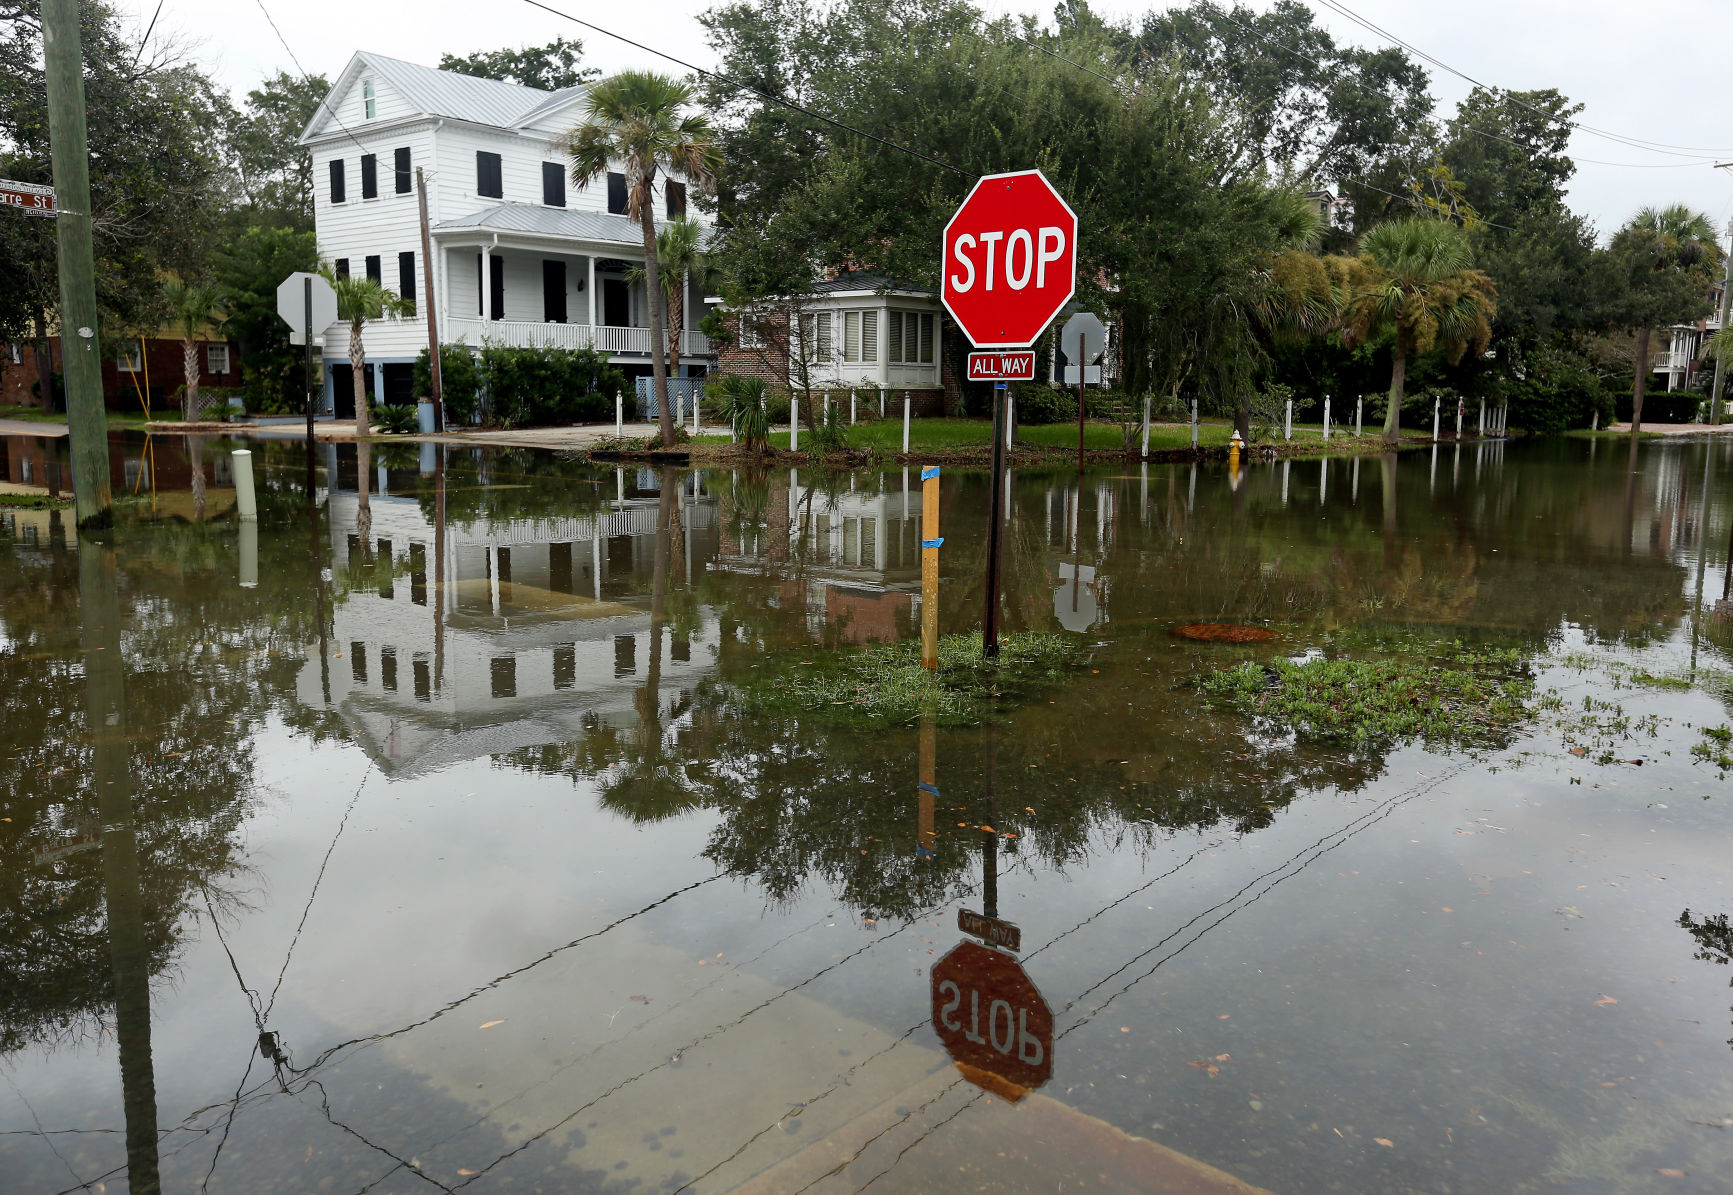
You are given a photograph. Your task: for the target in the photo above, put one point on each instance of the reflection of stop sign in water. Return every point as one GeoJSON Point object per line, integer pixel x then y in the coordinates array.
{"type": "Point", "coordinates": [991, 1017]}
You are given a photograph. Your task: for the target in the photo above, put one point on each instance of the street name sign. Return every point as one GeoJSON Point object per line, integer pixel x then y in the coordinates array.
{"type": "Point", "coordinates": [1009, 260]}
{"type": "Point", "coordinates": [992, 1020]}
{"type": "Point", "coordinates": [29, 198]}
{"type": "Point", "coordinates": [292, 304]}
{"type": "Point", "coordinates": [990, 929]}
{"type": "Point", "coordinates": [1018, 366]}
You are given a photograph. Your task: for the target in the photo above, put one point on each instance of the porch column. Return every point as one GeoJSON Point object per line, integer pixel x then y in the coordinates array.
{"type": "Point", "coordinates": [592, 285]}
{"type": "Point", "coordinates": [482, 284]}
{"type": "Point", "coordinates": [884, 361]}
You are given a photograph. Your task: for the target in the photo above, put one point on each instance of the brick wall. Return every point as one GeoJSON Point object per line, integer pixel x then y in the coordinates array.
{"type": "Point", "coordinates": [121, 391]}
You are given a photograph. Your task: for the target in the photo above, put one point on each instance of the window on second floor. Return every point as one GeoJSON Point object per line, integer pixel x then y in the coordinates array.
{"type": "Point", "coordinates": [553, 184]}
{"type": "Point", "coordinates": [373, 270]}
{"type": "Point", "coordinates": [406, 275]}
{"type": "Point", "coordinates": [401, 168]}
{"type": "Point", "coordinates": [676, 199]}
{"type": "Point", "coordinates": [338, 189]}
{"type": "Point", "coordinates": [340, 267]}
{"type": "Point", "coordinates": [369, 100]}
{"type": "Point", "coordinates": [217, 358]}
{"type": "Point", "coordinates": [489, 177]}
{"type": "Point", "coordinates": [616, 193]}
{"type": "Point", "coordinates": [370, 176]}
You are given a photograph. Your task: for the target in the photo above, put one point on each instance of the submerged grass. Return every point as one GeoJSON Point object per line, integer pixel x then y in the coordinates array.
{"type": "Point", "coordinates": [1455, 698]}
{"type": "Point", "coordinates": [33, 502]}
{"type": "Point", "coordinates": [886, 684]}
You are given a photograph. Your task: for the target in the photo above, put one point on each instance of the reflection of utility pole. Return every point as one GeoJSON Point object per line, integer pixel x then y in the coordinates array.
{"type": "Point", "coordinates": [1702, 551]}
{"type": "Point", "coordinates": [928, 790]}
{"type": "Point", "coordinates": [1726, 287]}
{"type": "Point", "coordinates": [990, 836]}
{"type": "Point", "coordinates": [439, 569]}
{"type": "Point", "coordinates": [105, 710]}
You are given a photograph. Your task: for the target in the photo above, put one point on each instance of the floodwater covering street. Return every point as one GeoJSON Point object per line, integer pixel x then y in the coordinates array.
{"type": "Point", "coordinates": [493, 821]}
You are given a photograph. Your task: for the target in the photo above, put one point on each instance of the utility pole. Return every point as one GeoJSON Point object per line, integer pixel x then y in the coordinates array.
{"type": "Point", "coordinates": [81, 356]}
{"type": "Point", "coordinates": [1726, 287]}
{"type": "Point", "coordinates": [438, 394]}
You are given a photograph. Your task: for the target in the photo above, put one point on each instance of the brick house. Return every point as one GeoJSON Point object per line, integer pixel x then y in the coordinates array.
{"type": "Point", "coordinates": [132, 370]}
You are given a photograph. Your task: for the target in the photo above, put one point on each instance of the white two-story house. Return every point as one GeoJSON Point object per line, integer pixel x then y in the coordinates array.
{"type": "Point", "coordinates": [520, 255]}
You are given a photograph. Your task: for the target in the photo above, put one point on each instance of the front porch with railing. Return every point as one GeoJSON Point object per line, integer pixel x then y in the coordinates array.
{"type": "Point", "coordinates": [613, 341]}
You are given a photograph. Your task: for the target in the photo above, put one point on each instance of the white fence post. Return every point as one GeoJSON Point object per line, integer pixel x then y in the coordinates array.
{"type": "Point", "coordinates": [794, 425]}
{"type": "Point", "coordinates": [619, 415]}
{"type": "Point", "coordinates": [1359, 411]}
{"type": "Point", "coordinates": [1326, 418]}
{"type": "Point", "coordinates": [851, 408]}
{"type": "Point", "coordinates": [1145, 451]}
{"type": "Point", "coordinates": [1194, 424]}
{"type": "Point", "coordinates": [1287, 423]}
{"type": "Point", "coordinates": [905, 423]}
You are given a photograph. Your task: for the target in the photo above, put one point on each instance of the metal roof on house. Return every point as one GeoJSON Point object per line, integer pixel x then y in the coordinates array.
{"type": "Point", "coordinates": [861, 281]}
{"type": "Point", "coordinates": [573, 224]}
{"type": "Point", "coordinates": [567, 223]}
{"type": "Point", "coordinates": [460, 97]}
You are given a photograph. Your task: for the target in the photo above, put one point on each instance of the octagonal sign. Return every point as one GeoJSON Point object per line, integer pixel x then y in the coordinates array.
{"type": "Point", "coordinates": [1010, 260]}
{"type": "Point", "coordinates": [992, 1020]}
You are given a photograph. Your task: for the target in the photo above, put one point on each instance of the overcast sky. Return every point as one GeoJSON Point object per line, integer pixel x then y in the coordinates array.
{"type": "Point", "coordinates": [1641, 77]}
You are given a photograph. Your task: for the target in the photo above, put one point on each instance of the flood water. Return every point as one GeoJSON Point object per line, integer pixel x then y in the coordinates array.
{"type": "Point", "coordinates": [415, 839]}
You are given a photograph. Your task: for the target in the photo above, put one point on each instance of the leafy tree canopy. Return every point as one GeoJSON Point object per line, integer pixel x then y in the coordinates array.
{"type": "Point", "coordinates": [552, 67]}
{"type": "Point", "coordinates": [276, 173]}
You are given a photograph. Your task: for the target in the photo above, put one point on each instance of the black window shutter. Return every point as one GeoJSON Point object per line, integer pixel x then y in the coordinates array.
{"type": "Point", "coordinates": [338, 194]}
{"type": "Point", "coordinates": [489, 179]}
{"type": "Point", "coordinates": [400, 164]}
{"type": "Point", "coordinates": [369, 176]}
{"type": "Point", "coordinates": [676, 199]}
{"type": "Point", "coordinates": [406, 275]}
{"type": "Point", "coordinates": [496, 287]}
{"type": "Point", "coordinates": [553, 184]}
{"type": "Point", "coordinates": [553, 291]}
{"type": "Point", "coordinates": [616, 193]}
{"type": "Point", "coordinates": [373, 270]}
{"type": "Point", "coordinates": [341, 266]}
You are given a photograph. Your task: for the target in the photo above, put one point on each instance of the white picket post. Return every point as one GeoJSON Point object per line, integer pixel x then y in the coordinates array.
{"type": "Point", "coordinates": [905, 423]}
{"type": "Point", "coordinates": [794, 425]}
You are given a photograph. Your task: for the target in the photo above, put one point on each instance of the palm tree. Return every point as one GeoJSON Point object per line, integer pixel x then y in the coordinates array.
{"type": "Point", "coordinates": [360, 300]}
{"type": "Point", "coordinates": [679, 253]}
{"type": "Point", "coordinates": [192, 309]}
{"type": "Point", "coordinates": [1417, 281]}
{"type": "Point", "coordinates": [635, 118]}
{"type": "Point", "coordinates": [1664, 259]}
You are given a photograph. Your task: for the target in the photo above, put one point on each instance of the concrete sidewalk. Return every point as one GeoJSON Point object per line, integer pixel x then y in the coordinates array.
{"type": "Point", "coordinates": [27, 427]}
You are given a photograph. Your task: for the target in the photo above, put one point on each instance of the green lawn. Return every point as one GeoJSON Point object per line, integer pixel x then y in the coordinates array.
{"type": "Point", "coordinates": [930, 435]}
{"type": "Point", "coordinates": [37, 415]}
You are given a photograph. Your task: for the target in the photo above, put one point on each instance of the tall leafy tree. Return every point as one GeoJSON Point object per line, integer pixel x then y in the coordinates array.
{"type": "Point", "coordinates": [552, 67]}
{"type": "Point", "coordinates": [249, 264]}
{"type": "Point", "coordinates": [160, 178]}
{"type": "Point", "coordinates": [358, 301]}
{"type": "Point", "coordinates": [192, 308]}
{"type": "Point", "coordinates": [1662, 264]}
{"type": "Point", "coordinates": [275, 173]}
{"type": "Point", "coordinates": [641, 120]}
{"type": "Point", "coordinates": [1416, 284]}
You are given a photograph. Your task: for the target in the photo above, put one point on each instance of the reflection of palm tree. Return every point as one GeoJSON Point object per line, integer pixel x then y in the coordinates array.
{"type": "Point", "coordinates": [363, 499]}
{"type": "Point", "coordinates": [196, 459]}
{"type": "Point", "coordinates": [653, 787]}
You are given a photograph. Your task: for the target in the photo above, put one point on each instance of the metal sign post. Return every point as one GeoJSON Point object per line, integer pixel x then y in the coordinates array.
{"type": "Point", "coordinates": [995, 522]}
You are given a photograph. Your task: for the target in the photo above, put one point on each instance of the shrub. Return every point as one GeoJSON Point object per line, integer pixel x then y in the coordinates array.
{"type": "Point", "coordinates": [460, 379]}
{"type": "Point", "coordinates": [398, 417]}
{"type": "Point", "coordinates": [548, 385]}
{"type": "Point", "coordinates": [1039, 403]}
{"type": "Point", "coordinates": [745, 405]}
{"type": "Point", "coordinates": [830, 434]}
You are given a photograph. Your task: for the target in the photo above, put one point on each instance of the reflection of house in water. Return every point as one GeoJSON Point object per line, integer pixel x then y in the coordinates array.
{"type": "Point", "coordinates": [542, 630]}
{"type": "Point", "coordinates": [1079, 589]}
{"type": "Point", "coordinates": [855, 559]}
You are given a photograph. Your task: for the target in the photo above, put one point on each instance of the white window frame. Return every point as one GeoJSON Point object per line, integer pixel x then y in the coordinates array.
{"type": "Point", "coordinates": [369, 100]}
{"type": "Point", "coordinates": [751, 331]}
{"type": "Point", "coordinates": [128, 358]}
{"type": "Point", "coordinates": [911, 341]}
{"type": "Point", "coordinates": [211, 356]}
{"type": "Point", "coordinates": [17, 354]}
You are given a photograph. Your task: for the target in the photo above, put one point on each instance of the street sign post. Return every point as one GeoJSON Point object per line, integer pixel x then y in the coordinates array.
{"type": "Point", "coordinates": [1008, 265]}
{"type": "Point", "coordinates": [1002, 367]}
{"type": "Point", "coordinates": [29, 198]}
{"type": "Point", "coordinates": [992, 1020]}
{"type": "Point", "coordinates": [1085, 336]}
{"type": "Point", "coordinates": [306, 302]}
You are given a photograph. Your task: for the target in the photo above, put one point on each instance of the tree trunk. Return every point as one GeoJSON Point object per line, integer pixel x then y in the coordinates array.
{"type": "Point", "coordinates": [190, 371]}
{"type": "Point", "coordinates": [1398, 374]}
{"type": "Point", "coordinates": [676, 317]}
{"type": "Point", "coordinates": [358, 363]}
{"type": "Point", "coordinates": [1640, 384]}
{"type": "Point", "coordinates": [1243, 418]}
{"type": "Point", "coordinates": [658, 367]}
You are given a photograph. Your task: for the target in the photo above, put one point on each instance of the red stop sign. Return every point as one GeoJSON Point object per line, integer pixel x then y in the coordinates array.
{"type": "Point", "coordinates": [1010, 260]}
{"type": "Point", "coordinates": [991, 1017]}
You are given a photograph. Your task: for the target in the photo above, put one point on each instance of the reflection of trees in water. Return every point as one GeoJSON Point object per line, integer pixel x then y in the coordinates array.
{"type": "Point", "coordinates": [204, 662]}
{"type": "Point", "coordinates": [1714, 939]}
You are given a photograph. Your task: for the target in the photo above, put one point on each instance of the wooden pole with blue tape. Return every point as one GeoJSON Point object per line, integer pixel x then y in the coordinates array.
{"type": "Point", "coordinates": [930, 541]}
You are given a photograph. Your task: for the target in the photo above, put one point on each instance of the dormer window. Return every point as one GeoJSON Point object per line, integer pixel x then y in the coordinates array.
{"type": "Point", "coordinates": [369, 99]}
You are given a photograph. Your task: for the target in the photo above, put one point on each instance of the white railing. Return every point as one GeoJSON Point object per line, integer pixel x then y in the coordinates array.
{"type": "Point", "coordinates": [521, 334]}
